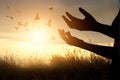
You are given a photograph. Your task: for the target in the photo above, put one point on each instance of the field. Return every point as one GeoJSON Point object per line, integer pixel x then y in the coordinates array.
{"type": "Point", "coordinates": [69, 66]}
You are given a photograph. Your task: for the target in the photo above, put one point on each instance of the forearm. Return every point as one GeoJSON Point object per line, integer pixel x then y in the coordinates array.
{"type": "Point", "coordinates": [100, 50]}
{"type": "Point", "coordinates": [105, 29]}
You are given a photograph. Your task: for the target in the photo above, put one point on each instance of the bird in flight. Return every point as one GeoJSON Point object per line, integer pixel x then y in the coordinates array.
{"type": "Point", "coordinates": [8, 7]}
{"type": "Point", "coordinates": [49, 23]}
{"type": "Point", "coordinates": [36, 17]}
{"type": "Point", "coordinates": [11, 17]}
{"type": "Point", "coordinates": [20, 23]}
{"type": "Point", "coordinates": [16, 27]}
{"type": "Point", "coordinates": [51, 8]}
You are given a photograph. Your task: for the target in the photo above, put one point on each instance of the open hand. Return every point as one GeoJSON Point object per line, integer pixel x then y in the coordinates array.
{"type": "Point", "coordinates": [88, 23]}
{"type": "Point", "coordinates": [69, 39]}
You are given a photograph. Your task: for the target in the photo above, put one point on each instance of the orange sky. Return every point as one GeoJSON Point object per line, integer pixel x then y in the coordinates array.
{"type": "Point", "coordinates": [14, 11]}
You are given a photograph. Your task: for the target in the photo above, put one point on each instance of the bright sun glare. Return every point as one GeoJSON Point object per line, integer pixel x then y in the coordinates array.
{"type": "Point", "coordinates": [35, 38]}
{"type": "Point", "coordinates": [39, 35]}
{"type": "Point", "coordinates": [38, 32]}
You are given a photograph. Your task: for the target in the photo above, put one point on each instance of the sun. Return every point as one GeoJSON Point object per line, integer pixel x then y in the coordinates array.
{"type": "Point", "coordinates": [39, 35]}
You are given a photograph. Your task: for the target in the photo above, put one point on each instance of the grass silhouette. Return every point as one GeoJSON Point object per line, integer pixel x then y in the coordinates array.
{"type": "Point", "coordinates": [68, 67]}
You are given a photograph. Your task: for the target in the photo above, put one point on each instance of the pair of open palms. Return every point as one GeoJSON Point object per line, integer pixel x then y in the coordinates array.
{"type": "Point", "coordinates": [90, 24]}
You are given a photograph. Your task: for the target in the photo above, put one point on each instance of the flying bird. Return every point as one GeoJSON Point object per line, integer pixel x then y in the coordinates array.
{"type": "Point", "coordinates": [20, 23]}
{"type": "Point", "coordinates": [16, 27]}
{"type": "Point", "coordinates": [8, 7]}
{"type": "Point", "coordinates": [10, 17]}
{"type": "Point", "coordinates": [36, 17]}
{"type": "Point", "coordinates": [49, 23]}
{"type": "Point", "coordinates": [51, 8]}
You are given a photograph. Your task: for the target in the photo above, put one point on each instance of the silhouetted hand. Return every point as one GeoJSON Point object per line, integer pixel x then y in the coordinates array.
{"type": "Point", "coordinates": [88, 23]}
{"type": "Point", "coordinates": [100, 50]}
{"type": "Point", "coordinates": [69, 39]}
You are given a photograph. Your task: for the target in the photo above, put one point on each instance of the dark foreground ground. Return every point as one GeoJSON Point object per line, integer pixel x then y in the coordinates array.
{"type": "Point", "coordinates": [59, 69]}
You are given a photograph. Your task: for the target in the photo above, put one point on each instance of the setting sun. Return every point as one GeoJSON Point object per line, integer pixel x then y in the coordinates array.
{"type": "Point", "coordinates": [35, 40]}
{"type": "Point", "coordinates": [39, 35]}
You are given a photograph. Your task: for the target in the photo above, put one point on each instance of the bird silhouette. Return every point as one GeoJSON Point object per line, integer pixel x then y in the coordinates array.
{"type": "Point", "coordinates": [51, 8]}
{"type": "Point", "coordinates": [37, 17]}
{"type": "Point", "coordinates": [8, 7]}
{"type": "Point", "coordinates": [49, 23]}
{"type": "Point", "coordinates": [11, 17]}
{"type": "Point", "coordinates": [20, 23]}
{"type": "Point", "coordinates": [16, 27]}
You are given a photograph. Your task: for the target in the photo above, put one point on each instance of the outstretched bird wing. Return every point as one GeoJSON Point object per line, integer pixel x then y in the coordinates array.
{"type": "Point", "coordinates": [16, 27]}
{"type": "Point", "coordinates": [36, 17]}
{"type": "Point", "coordinates": [49, 23]}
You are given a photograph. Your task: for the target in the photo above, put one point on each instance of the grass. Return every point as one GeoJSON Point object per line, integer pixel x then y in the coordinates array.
{"type": "Point", "coordinates": [68, 67]}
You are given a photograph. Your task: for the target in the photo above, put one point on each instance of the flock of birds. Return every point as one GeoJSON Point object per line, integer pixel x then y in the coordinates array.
{"type": "Point", "coordinates": [25, 24]}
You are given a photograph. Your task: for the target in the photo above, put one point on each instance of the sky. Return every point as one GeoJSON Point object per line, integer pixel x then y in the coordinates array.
{"type": "Point", "coordinates": [14, 12]}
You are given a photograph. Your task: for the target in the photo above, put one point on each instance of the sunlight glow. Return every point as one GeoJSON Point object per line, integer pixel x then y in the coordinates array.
{"type": "Point", "coordinates": [39, 35]}
{"type": "Point", "coordinates": [26, 54]}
